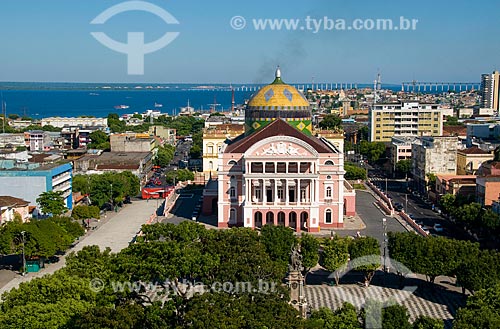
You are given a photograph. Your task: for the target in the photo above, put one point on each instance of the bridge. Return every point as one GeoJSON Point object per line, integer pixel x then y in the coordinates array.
{"type": "Point", "coordinates": [417, 86]}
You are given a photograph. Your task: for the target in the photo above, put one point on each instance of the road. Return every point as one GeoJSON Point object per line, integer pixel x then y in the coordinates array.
{"type": "Point", "coordinates": [372, 217]}
{"type": "Point", "coordinates": [184, 207]}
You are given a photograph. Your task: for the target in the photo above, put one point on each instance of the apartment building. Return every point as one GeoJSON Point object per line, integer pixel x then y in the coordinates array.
{"type": "Point", "coordinates": [404, 119]}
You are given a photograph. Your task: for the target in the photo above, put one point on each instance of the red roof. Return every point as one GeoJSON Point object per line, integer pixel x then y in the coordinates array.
{"type": "Point", "coordinates": [473, 150]}
{"type": "Point", "coordinates": [276, 128]}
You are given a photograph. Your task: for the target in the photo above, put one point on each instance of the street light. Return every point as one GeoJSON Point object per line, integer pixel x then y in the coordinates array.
{"type": "Point", "coordinates": [384, 225]}
{"type": "Point", "coordinates": [112, 203]}
{"type": "Point", "coordinates": [24, 258]}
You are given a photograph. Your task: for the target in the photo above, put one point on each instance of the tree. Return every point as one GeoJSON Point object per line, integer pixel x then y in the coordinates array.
{"type": "Point", "coordinates": [52, 202]}
{"type": "Point", "coordinates": [180, 175]}
{"type": "Point", "coordinates": [365, 256]}
{"type": "Point", "coordinates": [85, 212]}
{"type": "Point", "coordinates": [278, 241]}
{"type": "Point", "coordinates": [335, 256]}
{"type": "Point", "coordinates": [354, 172]}
{"type": "Point", "coordinates": [425, 322]}
{"type": "Point", "coordinates": [479, 271]}
{"type": "Point", "coordinates": [404, 166]}
{"type": "Point", "coordinates": [447, 202]}
{"type": "Point", "coordinates": [395, 317]}
{"type": "Point", "coordinates": [164, 156]}
{"type": "Point", "coordinates": [372, 150]}
{"type": "Point", "coordinates": [13, 116]}
{"type": "Point", "coordinates": [309, 246]}
{"type": "Point", "coordinates": [431, 181]}
{"type": "Point", "coordinates": [344, 317]}
{"type": "Point", "coordinates": [100, 140]}
{"type": "Point", "coordinates": [482, 310]}
{"type": "Point", "coordinates": [331, 122]}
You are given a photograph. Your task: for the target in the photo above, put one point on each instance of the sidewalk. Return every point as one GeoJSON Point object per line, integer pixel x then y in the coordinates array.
{"type": "Point", "coordinates": [115, 231]}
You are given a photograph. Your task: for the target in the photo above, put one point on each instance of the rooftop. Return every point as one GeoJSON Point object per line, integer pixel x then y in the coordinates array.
{"type": "Point", "coordinates": [10, 201]}
{"type": "Point", "coordinates": [276, 128]}
{"type": "Point", "coordinates": [474, 150]}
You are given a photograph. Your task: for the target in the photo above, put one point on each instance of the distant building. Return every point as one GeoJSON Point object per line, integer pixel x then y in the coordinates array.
{"type": "Point", "coordinates": [130, 142]}
{"type": "Point", "coordinates": [482, 131]}
{"type": "Point", "coordinates": [39, 140]}
{"type": "Point", "coordinates": [72, 122]}
{"type": "Point", "coordinates": [9, 206]}
{"type": "Point", "coordinates": [401, 149]}
{"type": "Point", "coordinates": [464, 185]}
{"type": "Point", "coordinates": [469, 160]}
{"type": "Point", "coordinates": [490, 89]}
{"type": "Point", "coordinates": [404, 119]}
{"type": "Point", "coordinates": [487, 190]}
{"type": "Point", "coordinates": [28, 180]}
{"type": "Point", "coordinates": [167, 134]}
{"type": "Point", "coordinates": [139, 163]}
{"type": "Point", "coordinates": [11, 140]}
{"type": "Point", "coordinates": [433, 155]}
{"type": "Point", "coordinates": [214, 138]}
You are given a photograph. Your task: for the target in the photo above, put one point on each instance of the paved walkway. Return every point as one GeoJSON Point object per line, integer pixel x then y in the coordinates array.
{"type": "Point", "coordinates": [115, 231]}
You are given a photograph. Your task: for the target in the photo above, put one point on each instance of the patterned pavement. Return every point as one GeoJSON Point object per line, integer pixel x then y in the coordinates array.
{"type": "Point", "coordinates": [438, 303]}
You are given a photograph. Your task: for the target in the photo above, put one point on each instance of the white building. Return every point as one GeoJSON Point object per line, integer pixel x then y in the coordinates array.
{"type": "Point", "coordinates": [83, 122]}
{"type": "Point", "coordinates": [404, 119]}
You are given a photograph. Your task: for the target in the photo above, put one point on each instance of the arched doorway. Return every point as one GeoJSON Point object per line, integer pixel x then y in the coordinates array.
{"type": "Point", "coordinates": [270, 218]}
{"type": "Point", "coordinates": [214, 206]}
{"type": "Point", "coordinates": [258, 219]}
{"type": "Point", "coordinates": [303, 220]}
{"type": "Point", "coordinates": [232, 216]}
{"type": "Point", "coordinates": [281, 218]}
{"type": "Point", "coordinates": [292, 220]}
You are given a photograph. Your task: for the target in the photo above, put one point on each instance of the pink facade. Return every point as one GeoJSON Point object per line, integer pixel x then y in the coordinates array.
{"type": "Point", "coordinates": [280, 176]}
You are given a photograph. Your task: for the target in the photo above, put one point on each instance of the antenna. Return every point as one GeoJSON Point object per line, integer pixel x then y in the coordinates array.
{"type": "Point", "coordinates": [4, 112]}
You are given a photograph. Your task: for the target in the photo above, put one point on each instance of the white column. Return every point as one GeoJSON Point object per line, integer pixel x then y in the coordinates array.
{"type": "Point", "coordinates": [316, 190]}
{"type": "Point", "coordinates": [275, 191]}
{"type": "Point", "coordinates": [298, 192]}
{"type": "Point", "coordinates": [287, 199]}
{"type": "Point", "coordinates": [264, 192]}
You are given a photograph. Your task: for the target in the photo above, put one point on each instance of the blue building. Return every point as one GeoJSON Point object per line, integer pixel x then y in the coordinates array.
{"type": "Point", "coordinates": [27, 180]}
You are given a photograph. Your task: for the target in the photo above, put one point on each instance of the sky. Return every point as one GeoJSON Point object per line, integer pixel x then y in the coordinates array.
{"type": "Point", "coordinates": [51, 41]}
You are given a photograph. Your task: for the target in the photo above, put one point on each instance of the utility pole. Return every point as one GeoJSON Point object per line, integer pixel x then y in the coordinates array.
{"type": "Point", "coordinates": [24, 258]}
{"type": "Point", "coordinates": [386, 192]}
{"type": "Point", "coordinates": [406, 202]}
{"type": "Point", "coordinates": [384, 225]}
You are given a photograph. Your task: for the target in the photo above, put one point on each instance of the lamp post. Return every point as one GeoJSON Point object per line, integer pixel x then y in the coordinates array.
{"type": "Point", "coordinates": [112, 203]}
{"type": "Point", "coordinates": [24, 258]}
{"type": "Point", "coordinates": [384, 225]}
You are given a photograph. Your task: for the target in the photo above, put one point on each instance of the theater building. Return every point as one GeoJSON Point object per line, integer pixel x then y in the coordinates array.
{"type": "Point", "coordinates": [278, 172]}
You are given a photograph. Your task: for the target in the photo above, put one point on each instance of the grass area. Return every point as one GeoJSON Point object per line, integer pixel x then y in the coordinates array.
{"type": "Point", "coordinates": [358, 186]}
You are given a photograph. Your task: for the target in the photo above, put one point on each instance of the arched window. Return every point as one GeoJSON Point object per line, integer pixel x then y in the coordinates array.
{"type": "Point", "coordinates": [232, 215]}
{"type": "Point", "coordinates": [329, 163]}
{"type": "Point", "coordinates": [281, 218]}
{"type": "Point", "coordinates": [270, 218]}
{"type": "Point", "coordinates": [258, 219]}
{"type": "Point", "coordinates": [328, 192]}
{"type": "Point", "coordinates": [232, 163]}
{"type": "Point", "coordinates": [232, 192]}
{"type": "Point", "coordinates": [210, 165]}
{"type": "Point", "coordinates": [328, 216]}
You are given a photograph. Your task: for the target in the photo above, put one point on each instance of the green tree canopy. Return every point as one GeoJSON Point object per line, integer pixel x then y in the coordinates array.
{"type": "Point", "coordinates": [331, 122]}
{"type": "Point", "coordinates": [51, 202]}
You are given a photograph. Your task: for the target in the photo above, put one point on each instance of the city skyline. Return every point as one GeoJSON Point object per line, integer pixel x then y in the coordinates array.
{"type": "Point", "coordinates": [450, 42]}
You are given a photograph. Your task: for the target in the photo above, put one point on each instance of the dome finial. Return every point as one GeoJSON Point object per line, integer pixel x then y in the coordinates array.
{"type": "Point", "coordinates": [278, 72]}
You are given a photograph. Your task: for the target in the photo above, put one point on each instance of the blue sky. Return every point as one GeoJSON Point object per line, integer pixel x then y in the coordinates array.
{"type": "Point", "coordinates": [50, 41]}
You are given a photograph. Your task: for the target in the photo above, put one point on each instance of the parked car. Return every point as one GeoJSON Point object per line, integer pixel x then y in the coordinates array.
{"type": "Point", "coordinates": [438, 228]}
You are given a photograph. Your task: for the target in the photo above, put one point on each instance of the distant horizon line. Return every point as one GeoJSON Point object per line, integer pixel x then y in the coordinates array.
{"type": "Point", "coordinates": [231, 83]}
